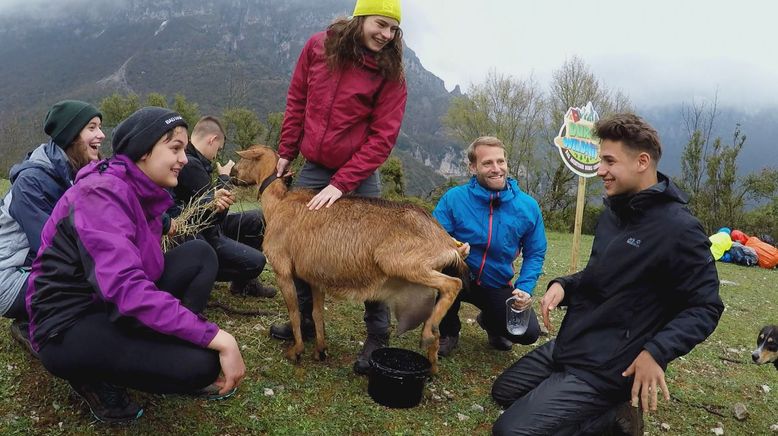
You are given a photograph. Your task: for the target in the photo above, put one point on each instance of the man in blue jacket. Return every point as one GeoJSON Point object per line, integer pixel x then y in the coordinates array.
{"type": "Point", "coordinates": [498, 221]}
{"type": "Point", "coordinates": [649, 294]}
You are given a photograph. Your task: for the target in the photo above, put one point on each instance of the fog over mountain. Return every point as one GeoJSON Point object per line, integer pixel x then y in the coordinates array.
{"type": "Point", "coordinates": [241, 52]}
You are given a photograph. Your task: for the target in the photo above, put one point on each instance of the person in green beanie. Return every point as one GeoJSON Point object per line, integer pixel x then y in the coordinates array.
{"type": "Point", "coordinates": [37, 183]}
{"type": "Point", "coordinates": [344, 109]}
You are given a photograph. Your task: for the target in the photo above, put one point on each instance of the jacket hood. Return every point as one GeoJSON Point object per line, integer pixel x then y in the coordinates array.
{"type": "Point", "coordinates": [154, 198]}
{"type": "Point", "coordinates": [48, 157]}
{"type": "Point", "coordinates": [665, 190]}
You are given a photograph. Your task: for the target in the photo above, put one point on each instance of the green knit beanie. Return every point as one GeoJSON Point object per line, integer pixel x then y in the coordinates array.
{"type": "Point", "coordinates": [385, 8]}
{"type": "Point", "coordinates": [66, 119]}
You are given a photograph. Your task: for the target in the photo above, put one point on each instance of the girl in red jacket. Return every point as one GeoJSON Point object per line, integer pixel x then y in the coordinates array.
{"type": "Point", "coordinates": [344, 109]}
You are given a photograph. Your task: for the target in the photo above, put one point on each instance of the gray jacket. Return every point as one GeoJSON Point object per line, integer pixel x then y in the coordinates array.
{"type": "Point", "coordinates": [36, 185]}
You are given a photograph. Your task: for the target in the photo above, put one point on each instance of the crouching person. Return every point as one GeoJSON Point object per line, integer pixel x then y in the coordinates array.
{"type": "Point", "coordinates": [236, 237]}
{"type": "Point", "coordinates": [498, 221]}
{"type": "Point", "coordinates": [648, 295]}
{"type": "Point", "coordinates": [36, 184]}
{"type": "Point", "coordinates": [108, 310]}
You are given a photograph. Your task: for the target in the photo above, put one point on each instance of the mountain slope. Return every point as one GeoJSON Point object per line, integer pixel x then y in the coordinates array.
{"type": "Point", "coordinates": [216, 53]}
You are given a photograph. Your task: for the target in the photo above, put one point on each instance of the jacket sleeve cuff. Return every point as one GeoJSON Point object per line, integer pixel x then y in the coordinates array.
{"type": "Point", "coordinates": [289, 155]}
{"type": "Point", "coordinates": [523, 287]}
{"type": "Point", "coordinates": [341, 187]}
{"type": "Point", "coordinates": [562, 283]}
{"type": "Point", "coordinates": [653, 349]}
{"type": "Point", "coordinates": [210, 332]}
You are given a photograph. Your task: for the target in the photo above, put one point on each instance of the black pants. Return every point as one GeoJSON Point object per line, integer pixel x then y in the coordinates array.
{"type": "Point", "coordinates": [237, 242]}
{"type": "Point", "coordinates": [491, 301]}
{"type": "Point", "coordinates": [317, 177]}
{"type": "Point", "coordinates": [130, 355]}
{"type": "Point", "coordinates": [18, 310]}
{"type": "Point", "coordinates": [542, 398]}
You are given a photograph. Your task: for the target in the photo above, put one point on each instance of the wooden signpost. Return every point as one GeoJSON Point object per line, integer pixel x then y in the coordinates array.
{"type": "Point", "coordinates": [580, 151]}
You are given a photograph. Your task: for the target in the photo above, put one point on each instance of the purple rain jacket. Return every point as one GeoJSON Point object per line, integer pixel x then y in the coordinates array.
{"type": "Point", "coordinates": [100, 250]}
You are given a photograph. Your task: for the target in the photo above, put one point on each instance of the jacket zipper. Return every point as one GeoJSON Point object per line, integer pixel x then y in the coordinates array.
{"type": "Point", "coordinates": [488, 239]}
{"type": "Point", "coordinates": [329, 118]}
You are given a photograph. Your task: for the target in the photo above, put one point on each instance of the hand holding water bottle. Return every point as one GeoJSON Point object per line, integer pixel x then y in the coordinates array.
{"type": "Point", "coordinates": [521, 300]}
{"type": "Point", "coordinates": [517, 312]}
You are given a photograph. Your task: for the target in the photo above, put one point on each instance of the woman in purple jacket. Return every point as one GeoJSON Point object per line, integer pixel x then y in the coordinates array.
{"type": "Point", "coordinates": [108, 310]}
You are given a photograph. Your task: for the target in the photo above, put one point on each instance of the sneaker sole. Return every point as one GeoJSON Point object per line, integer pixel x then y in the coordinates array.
{"type": "Point", "coordinates": [104, 420]}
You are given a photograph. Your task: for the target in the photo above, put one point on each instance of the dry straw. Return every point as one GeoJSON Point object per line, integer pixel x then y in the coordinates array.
{"type": "Point", "coordinates": [193, 219]}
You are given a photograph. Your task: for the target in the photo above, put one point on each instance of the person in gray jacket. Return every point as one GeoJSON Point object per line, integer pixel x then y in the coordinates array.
{"type": "Point", "coordinates": [37, 183]}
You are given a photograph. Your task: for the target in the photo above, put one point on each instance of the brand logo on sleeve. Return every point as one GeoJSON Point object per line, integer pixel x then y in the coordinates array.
{"type": "Point", "coordinates": [634, 242]}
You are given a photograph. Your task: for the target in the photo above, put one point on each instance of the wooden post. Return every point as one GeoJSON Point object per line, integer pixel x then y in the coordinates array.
{"type": "Point", "coordinates": [579, 210]}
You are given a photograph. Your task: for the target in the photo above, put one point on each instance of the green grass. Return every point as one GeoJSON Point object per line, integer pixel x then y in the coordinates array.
{"type": "Point", "coordinates": [327, 398]}
{"type": "Point", "coordinates": [4, 185]}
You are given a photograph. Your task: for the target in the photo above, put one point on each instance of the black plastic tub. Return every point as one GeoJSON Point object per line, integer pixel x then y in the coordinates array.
{"type": "Point", "coordinates": [397, 377]}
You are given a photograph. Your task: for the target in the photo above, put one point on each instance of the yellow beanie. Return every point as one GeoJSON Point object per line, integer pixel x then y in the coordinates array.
{"type": "Point", "coordinates": [385, 8]}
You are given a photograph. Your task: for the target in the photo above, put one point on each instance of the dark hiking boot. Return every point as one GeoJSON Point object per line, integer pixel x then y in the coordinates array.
{"type": "Point", "coordinates": [497, 342]}
{"type": "Point", "coordinates": [20, 330]}
{"type": "Point", "coordinates": [283, 331]}
{"type": "Point", "coordinates": [253, 288]}
{"type": "Point", "coordinates": [447, 345]}
{"type": "Point", "coordinates": [628, 421]}
{"type": "Point", "coordinates": [372, 343]}
{"type": "Point", "coordinates": [108, 403]}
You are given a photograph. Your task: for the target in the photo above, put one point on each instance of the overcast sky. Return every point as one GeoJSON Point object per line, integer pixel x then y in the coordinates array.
{"type": "Point", "coordinates": [655, 51]}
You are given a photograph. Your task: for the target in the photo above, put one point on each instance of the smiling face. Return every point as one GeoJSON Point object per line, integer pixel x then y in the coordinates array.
{"type": "Point", "coordinates": [378, 31]}
{"type": "Point", "coordinates": [490, 167]}
{"type": "Point", "coordinates": [89, 140]}
{"type": "Point", "coordinates": [620, 168]}
{"type": "Point", "coordinates": [164, 162]}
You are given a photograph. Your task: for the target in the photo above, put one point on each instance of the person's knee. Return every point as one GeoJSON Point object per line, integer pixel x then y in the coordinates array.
{"type": "Point", "coordinates": [501, 393]}
{"type": "Point", "coordinates": [505, 425]}
{"type": "Point", "coordinates": [202, 368]}
{"type": "Point", "coordinates": [202, 250]}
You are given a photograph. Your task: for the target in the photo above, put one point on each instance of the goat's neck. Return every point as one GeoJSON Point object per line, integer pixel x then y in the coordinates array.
{"type": "Point", "coordinates": [274, 193]}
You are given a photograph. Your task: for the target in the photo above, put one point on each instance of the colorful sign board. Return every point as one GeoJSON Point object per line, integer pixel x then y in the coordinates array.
{"type": "Point", "coordinates": [578, 147]}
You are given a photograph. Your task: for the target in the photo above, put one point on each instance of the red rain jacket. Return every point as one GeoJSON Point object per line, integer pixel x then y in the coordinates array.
{"type": "Point", "coordinates": [347, 120]}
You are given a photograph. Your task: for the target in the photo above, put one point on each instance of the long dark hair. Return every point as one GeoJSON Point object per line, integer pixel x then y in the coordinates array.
{"type": "Point", "coordinates": [78, 157]}
{"type": "Point", "coordinates": [343, 46]}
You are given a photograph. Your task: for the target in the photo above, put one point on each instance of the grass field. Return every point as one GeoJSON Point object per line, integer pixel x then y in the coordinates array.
{"type": "Point", "coordinates": [327, 398]}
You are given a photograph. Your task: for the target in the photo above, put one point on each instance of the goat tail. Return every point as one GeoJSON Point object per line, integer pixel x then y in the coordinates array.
{"type": "Point", "coordinates": [458, 268]}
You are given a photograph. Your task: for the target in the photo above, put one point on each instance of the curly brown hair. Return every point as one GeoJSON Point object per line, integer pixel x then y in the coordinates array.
{"type": "Point", "coordinates": [343, 45]}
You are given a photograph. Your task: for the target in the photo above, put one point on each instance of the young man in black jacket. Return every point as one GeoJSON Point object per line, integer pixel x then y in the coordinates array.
{"type": "Point", "coordinates": [236, 237]}
{"type": "Point", "coordinates": [648, 295]}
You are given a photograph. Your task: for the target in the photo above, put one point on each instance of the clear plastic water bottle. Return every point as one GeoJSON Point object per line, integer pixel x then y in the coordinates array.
{"type": "Point", "coordinates": [516, 320]}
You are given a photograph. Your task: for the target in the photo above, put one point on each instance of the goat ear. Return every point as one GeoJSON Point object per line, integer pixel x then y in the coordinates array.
{"type": "Point", "coordinates": [251, 153]}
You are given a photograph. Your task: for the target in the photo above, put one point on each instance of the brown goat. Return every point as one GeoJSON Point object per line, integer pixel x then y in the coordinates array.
{"type": "Point", "coordinates": [359, 248]}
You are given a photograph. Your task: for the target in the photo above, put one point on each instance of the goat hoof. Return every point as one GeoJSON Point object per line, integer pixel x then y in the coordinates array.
{"type": "Point", "coordinates": [320, 355]}
{"type": "Point", "coordinates": [294, 356]}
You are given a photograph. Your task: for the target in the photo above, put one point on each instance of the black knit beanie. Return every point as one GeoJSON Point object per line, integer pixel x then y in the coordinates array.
{"type": "Point", "coordinates": [66, 119]}
{"type": "Point", "coordinates": [136, 135]}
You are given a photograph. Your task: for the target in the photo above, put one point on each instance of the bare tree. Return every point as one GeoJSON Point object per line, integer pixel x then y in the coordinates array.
{"type": "Point", "coordinates": [699, 119]}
